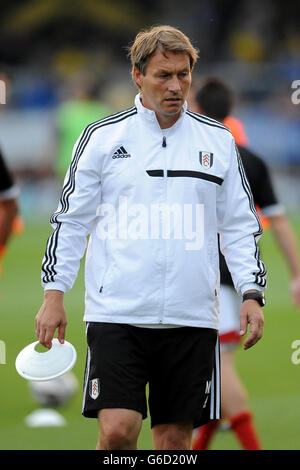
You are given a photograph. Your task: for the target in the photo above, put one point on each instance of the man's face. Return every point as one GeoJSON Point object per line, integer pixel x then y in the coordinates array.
{"type": "Point", "coordinates": [166, 82]}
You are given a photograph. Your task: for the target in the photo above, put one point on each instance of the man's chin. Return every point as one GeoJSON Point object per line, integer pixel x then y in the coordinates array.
{"type": "Point", "coordinates": [171, 110]}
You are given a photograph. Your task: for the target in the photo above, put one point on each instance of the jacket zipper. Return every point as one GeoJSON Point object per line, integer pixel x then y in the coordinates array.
{"type": "Point", "coordinates": [164, 145]}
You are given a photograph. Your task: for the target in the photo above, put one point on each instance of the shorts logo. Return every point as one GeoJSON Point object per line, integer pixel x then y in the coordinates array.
{"type": "Point", "coordinates": [94, 388]}
{"type": "Point", "coordinates": [206, 159]}
{"type": "Point", "coordinates": [207, 392]}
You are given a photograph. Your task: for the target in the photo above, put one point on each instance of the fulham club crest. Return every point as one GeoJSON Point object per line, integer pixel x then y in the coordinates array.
{"type": "Point", "coordinates": [94, 388]}
{"type": "Point", "coordinates": [206, 159]}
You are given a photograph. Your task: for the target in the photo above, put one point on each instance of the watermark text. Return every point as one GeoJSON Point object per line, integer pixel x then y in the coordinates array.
{"type": "Point", "coordinates": [296, 354]}
{"type": "Point", "coordinates": [296, 94]}
{"type": "Point", "coordinates": [154, 221]}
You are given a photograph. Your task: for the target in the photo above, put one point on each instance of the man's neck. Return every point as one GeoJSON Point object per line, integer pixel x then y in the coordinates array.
{"type": "Point", "coordinates": [166, 121]}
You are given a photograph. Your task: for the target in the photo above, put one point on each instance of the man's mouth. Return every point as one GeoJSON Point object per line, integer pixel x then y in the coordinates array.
{"type": "Point", "coordinates": [173, 100]}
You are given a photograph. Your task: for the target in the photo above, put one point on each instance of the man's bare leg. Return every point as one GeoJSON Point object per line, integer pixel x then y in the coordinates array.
{"type": "Point", "coordinates": [173, 436]}
{"type": "Point", "coordinates": [119, 429]}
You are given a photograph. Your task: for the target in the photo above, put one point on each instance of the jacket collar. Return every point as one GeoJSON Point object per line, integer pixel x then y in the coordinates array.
{"type": "Point", "coordinates": [149, 113]}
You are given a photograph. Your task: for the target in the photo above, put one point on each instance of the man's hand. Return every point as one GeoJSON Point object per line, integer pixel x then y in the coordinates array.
{"type": "Point", "coordinates": [51, 315]}
{"type": "Point", "coordinates": [251, 312]}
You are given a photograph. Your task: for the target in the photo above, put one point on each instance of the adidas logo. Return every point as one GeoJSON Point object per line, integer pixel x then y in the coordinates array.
{"type": "Point", "coordinates": [121, 153]}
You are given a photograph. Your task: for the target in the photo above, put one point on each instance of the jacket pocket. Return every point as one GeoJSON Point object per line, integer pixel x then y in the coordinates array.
{"type": "Point", "coordinates": [213, 260]}
{"type": "Point", "coordinates": [103, 280]}
{"type": "Point", "coordinates": [104, 277]}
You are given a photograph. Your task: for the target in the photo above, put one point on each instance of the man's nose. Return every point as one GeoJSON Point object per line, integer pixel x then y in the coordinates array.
{"type": "Point", "coordinates": [174, 84]}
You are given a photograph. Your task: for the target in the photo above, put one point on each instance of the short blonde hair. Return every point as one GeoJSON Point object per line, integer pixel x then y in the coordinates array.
{"type": "Point", "coordinates": [166, 38]}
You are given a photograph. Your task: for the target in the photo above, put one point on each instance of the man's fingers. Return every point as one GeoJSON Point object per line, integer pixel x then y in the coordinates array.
{"type": "Point", "coordinates": [51, 316]}
{"type": "Point", "coordinates": [250, 341]}
{"type": "Point", "coordinates": [251, 313]}
{"type": "Point", "coordinates": [61, 333]}
{"type": "Point", "coordinates": [41, 336]}
{"type": "Point", "coordinates": [45, 332]}
{"type": "Point", "coordinates": [256, 331]}
{"type": "Point", "coordinates": [37, 326]}
{"type": "Point", "coordinates": [49, 337]}
{"type": "Point", "coordinates": [243, 325]}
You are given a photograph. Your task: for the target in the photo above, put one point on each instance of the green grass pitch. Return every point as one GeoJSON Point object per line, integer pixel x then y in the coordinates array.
{"type": "Point", "coordinates": [272, 380]}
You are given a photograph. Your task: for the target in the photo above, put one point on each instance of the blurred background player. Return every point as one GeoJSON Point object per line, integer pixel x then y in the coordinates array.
{"type": "Point", "coordinates": [10, 220]}
{"type": "Point", "coordinates": [74, 114]}
{"type": "Point", "coordinates": [214, 99]}
{"type": "Point", "coordinates": [8, 205]}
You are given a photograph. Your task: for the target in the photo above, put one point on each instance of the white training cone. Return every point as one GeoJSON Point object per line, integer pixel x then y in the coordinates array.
{"type": "Point", "coordinates": [45, 417]}
{"type": "Point", "coordinates": [33, 365]}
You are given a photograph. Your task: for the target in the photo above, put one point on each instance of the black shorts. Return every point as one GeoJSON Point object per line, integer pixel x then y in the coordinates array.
{"type": "Point", "coordinates": [181, 366]}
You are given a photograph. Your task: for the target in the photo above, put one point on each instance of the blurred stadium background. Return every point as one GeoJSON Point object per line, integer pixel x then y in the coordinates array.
{"type": "Point", "coordinates": [50, 52]}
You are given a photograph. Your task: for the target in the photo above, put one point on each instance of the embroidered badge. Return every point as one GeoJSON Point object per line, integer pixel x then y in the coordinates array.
{"type": "Point", "coordinates": [206, 159]}
{"type": "Point", "coordinates": [94, 388]}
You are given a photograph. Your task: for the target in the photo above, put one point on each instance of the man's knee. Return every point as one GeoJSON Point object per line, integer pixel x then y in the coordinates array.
{"type": "Point", "coordinates": [115, 436]}
{"type": "Point", "coordinates": [118, 430]}
{"type": "Point", "coordinates": [173, 436]}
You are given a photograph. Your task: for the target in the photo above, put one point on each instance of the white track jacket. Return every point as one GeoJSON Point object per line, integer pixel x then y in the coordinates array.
{"type": "Point", "coordinates": [152, 202]}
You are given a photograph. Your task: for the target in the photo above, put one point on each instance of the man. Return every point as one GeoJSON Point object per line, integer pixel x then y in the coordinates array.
{"type": "Point", "coordinates": [151, 279]}
{"type": "Point", "coordinates": [8, 205]}
{"type": "Point", "coordinates": [215, 100]}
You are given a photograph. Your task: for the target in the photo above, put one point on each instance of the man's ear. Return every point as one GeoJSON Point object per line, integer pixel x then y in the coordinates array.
{"type": "Point", "coordinates": [137, 77]}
